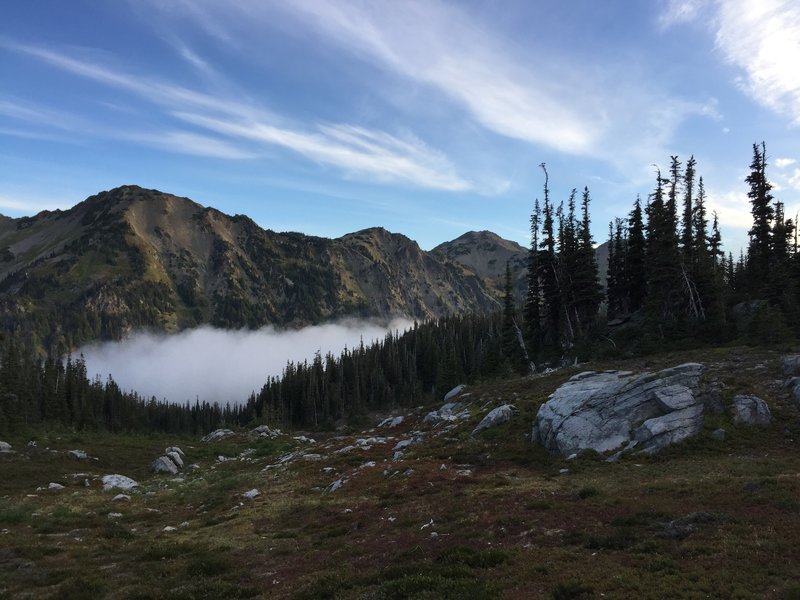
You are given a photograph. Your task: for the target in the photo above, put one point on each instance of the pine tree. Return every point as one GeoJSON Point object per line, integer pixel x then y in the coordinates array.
{"type": "Point", "coordinates": [636, 259]}
{"type": "Point", "coordinates": [532, 300]}
{"type": "Point", "coordinates": [758, 254]}
{"type": "Point", "coordinates": [548, 275]}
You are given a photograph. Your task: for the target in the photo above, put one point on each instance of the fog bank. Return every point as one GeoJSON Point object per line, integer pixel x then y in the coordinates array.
{"type": "Point", "coordinates": [217, 365]}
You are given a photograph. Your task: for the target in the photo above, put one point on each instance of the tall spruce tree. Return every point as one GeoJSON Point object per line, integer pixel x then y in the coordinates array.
{"type": "Point", "coordinates": [759, 249]}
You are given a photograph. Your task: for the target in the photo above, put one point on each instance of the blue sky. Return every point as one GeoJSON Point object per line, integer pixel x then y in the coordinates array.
{"type": "Point", "coordinates": [429, 118]}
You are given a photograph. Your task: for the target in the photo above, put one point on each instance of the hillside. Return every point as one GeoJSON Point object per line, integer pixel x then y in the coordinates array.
{"type": "Point", "coordinates": [410, 507]}
{"type": "Point", "coordinates": [134, 258]}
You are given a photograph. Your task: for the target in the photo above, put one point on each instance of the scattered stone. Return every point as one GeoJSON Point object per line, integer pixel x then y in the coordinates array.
{"type": "Point", "coordinates": [219, 434]}
{"type": "Point", "coordinates": [564, 472]}
{"type": "Point", "coordinates": [327, 469]}
{"type": "Point", "coordinates": [391, 422]}
{"type": "Point", "coordinates": [368, 465]}
{"type": "Point", "coordinates": [118, 481]}
{"type": "Point", "coordinates": [718, 435]}
{"type": "Point", "coordinates": [54, 486]}
{"type": "Point", "coordinates": [264, 431]}
{"type": "Point", "coordinates": [164, 465]}
{"type": "Point", "coordinates": [31, 444]}
{"type": "Point", "coordinates": [304, 440]}
{"type": "Point", "coordinates": [750, 410]}
{"type": "Point", "coordinates": [250, 494]}
{"type": "Point", "coordinates": [443, 467]}
{"type": "Point", "coordinates": [121, 498]}
{"type": "Point", "coordinates": [169, 529]}
{"type": "Point", "coordinates": [312, 456]}
{"type": "Point", "coordinates": [450, 412]}
{"type": "Point", "coordinates": [572, 456]}
{"type": "Point", "coordinates": [114, 515]}
{"type": "Point", "coordinates": [613, 409]}
{"type": "Point", "coordinates": [79, 454]}
{"type": "Point", "coordinates": [501, 414]}
{"type": "Point", "coordinates": [5, 448]}
{"type": "Point", "coordinates": [175, 449]}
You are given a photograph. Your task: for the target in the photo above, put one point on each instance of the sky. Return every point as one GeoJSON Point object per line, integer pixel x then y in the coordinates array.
{"type": "Point", "coordinates": [428, 117]}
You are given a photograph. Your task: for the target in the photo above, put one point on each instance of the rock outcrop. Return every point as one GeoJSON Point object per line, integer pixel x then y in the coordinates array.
{"type": "Point", "coordinates": [217, 434]}
{"type": "Point", "coordinates": [750, 410]}
{"type": "Point", "coordinates": [118, 481]}
{"type": "Point", "coordinates": [619, 409]}
{"type": "Point", "coordinates": [170, 463]}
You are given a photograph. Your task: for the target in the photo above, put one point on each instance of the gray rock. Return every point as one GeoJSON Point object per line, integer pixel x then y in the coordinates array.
{"type": "Point", "coordinates": [79, 454]}
{"type": "Point", "coordinates": [606, 411]}
{"type": "Point", "coordinates": [164, 465]}
{"type": "Point", "coordinates": [175, 449]}
{"type": "Point", "coordinates": [501, 414]}
{"type": "Point", "coordinates": [217, 434]}
{"type": "Point", "coordinates": [264, 431]}
{"type": "Point", "coordinates": [448, 413]}
{"type": "Point", "coordinates": [54, 486]}
{"type": "Point", "coordinates": [454, 392]}
{"type": "Point", "coordinates": [118, 481]}
{"type": "Point", "coordinates": [5, 448]}
{"type": "Point", "coordinates": [175, 457]}
{"type": "Point", "coordinates": [750, 410]}
{"type": "Point", "coordinates": [250, 494]}
{"type": "Point", "coordinates": [390, 422]}
{"type": "Point", "coordinates": [791, 365]}
{"type": "Point", "coordinates": [718, 435]}
{"type": "Point", "coordinates": [121, 498]}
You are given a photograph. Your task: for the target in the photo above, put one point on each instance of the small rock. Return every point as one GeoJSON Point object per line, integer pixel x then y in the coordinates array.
{"type": "Point", "coordinates": [250, 494]}
{"type": "Point", "coordinates": [164, 465]}
{"type": "Point", "coordinates": [443, 467]}
{"type": "Point", "coordinates": [5, 448]}
{"type": "Point", "coordinates": [121, 498]}
{"type": "Point", "coordinates": [335, 485]}
{"type": "Point", "coordinates": [718, 435]}
{"type": "Point", "coordinates": [501, 414]}
{"type": "Point", "coordinates": [169, 528]}
{"type": "Point", "coordinates": [368, 465]}
{"type": "Point", "coordinates": [265, 431]}
{"type": "Point", "coordinates": [114, 515]}
{"type": "Point", "coordinates": [118, 481]}
{"type": "Point", "coordinates": [31, 444]}
{"type": "Point", "coordinates": [564, 472]}
{"type": "Point", "coordinates": [174, 449]}
{"type": "Point", "coordinates": [750, 410]}
{"type": "Point", "coordinates": [79, 454]}
{"type": "Point", "coordinates": [391, 422]}
{"type": "Point", "coordinates": [454, 392]}
{"type": "Point", "coordinates": [54, 486]}
{"type": "Point", "coordinates": [304, 440]}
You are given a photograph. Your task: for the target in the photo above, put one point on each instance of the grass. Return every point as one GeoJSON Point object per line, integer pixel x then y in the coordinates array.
{"type": "Point", "coordinates": [701, 519]}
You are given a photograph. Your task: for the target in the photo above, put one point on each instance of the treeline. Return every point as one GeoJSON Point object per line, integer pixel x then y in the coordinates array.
{"type": "Point", "coordinates": [55, 393]}
{"type": "Point", "coordinates": [668, 285]}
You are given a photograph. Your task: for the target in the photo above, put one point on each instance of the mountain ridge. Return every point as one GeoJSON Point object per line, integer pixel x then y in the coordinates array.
{"type": "Point", "coordinates": [131, 258]}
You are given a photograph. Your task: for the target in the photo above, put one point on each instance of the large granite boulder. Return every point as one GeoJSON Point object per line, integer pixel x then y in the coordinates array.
{"type": "Point", "coordinates": [750, 410]}
{"type": "Point", "coordinates": [615, 409]}
{"type": "Point", "coordinates": [217, 434]}
{"type": "Point", "coordinates": [163, 464]}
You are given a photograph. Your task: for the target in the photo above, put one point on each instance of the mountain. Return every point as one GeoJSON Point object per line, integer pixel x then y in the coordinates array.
{"type": "Point", "coordinates": [486, 254]}
{"type": "Point", "coordinates": [134, 258]}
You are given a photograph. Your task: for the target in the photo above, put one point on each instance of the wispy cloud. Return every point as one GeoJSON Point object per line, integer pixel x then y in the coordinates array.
{"type": "Point", "coordinates": [782, 163]}
{"type": "Point", "coordinates": [680, 11]}
{"type": "Point", "coordinates": [763, 40]}
{"type": "Point", "coordinates": [358, 151]}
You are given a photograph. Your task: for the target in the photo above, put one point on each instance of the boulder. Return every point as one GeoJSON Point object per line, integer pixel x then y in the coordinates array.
{"type": "Point", "coordinates": [750, 410]}
{"type": "Point", "coordinates": [501, 414]}
{"type": "Point", "coordinates": [613, 409]}
{"type": "Point", "coordinates": [175, 457]}
{"type": "Point", "coordinates": [217, 434]}
{"type": "Point", "coordinates": [164, 465]}
{"type": "Point", "coordinates": [791, 365]}
{"type": "Point", "coordinates": [456, 391]}
{"type": "Point", "coordinates": [118, 481]}
{"type": "Point", "coordinates": [5, 448]}
{"type": "Point", "coordinates": [250, 494]}
{"type": "Point", "coordinates": [54, 486]}
{"type": "Point", "coordinates": [175, 449]}
{"type": "Point", "coordinates": [79, 454]}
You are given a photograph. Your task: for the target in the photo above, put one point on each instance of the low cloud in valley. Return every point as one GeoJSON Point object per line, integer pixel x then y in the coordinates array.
{"type": "Point", "coordinates": [218, 365]}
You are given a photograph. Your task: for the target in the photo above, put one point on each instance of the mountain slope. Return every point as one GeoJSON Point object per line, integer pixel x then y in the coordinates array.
{"type": "Point", "coordinates": [134, 258]}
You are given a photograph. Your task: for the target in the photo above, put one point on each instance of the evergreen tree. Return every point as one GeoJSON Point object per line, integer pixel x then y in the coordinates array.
{"type": "Point", "coordinates": [758, 253]}
{"type": "Point", "coordinates": [636, 259]}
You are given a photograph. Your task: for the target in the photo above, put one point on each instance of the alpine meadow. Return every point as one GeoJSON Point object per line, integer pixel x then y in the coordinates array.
{"type": "Point", "coordinates": [574, 375]}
